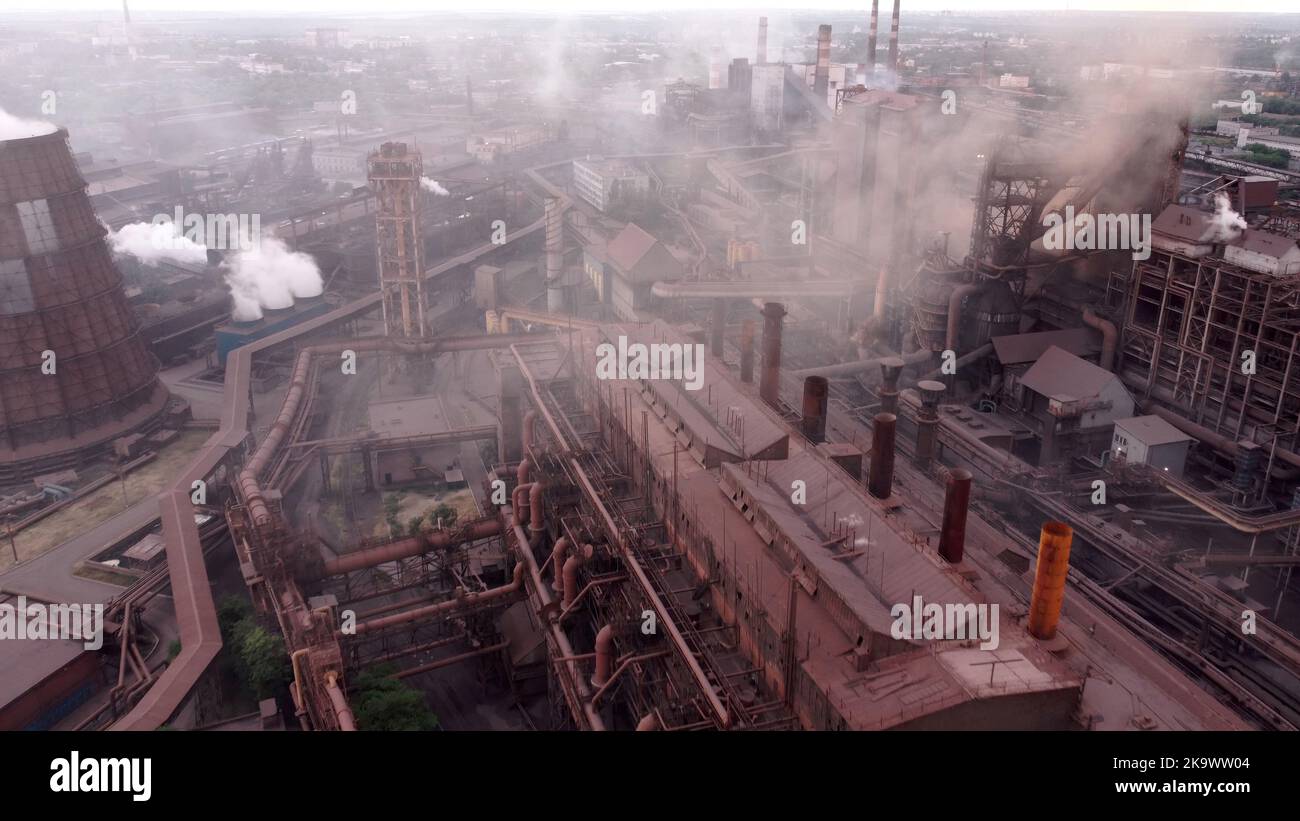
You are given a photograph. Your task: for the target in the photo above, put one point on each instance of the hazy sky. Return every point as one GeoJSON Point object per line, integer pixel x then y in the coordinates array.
{"type": "Point", "coordinates": [418, 6]}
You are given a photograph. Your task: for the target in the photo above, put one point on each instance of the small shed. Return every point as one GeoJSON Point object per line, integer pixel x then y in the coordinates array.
{"type": "Point", "coordinates": [1150, 440]}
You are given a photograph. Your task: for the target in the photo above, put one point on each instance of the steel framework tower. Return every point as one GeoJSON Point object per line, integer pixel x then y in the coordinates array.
{"type": "Point", "coordinates": [395, 172]}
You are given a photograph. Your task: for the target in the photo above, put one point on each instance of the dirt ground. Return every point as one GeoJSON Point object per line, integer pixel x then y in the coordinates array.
{"type": "Point", "coordinates": [106, 502]}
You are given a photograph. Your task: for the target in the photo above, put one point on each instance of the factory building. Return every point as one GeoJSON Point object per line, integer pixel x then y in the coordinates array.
{"type": "Point", "coordinates": [603, 182]}
{"type": "Point", "coordinates": [1070, 404]}
{"type": "Point", "coordinates": [1150, 440]}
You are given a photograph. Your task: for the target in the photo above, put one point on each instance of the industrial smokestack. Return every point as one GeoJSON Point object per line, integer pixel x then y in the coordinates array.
{"type": "Point", "coordinates": [769, 385]}
{"type": "Point", "coordinates": [717, 337]}
{"type": "Point", "coordinates": [816, 397]}
{"type": "Point", "coordinates": [871, 38]}
{"type": "Point", "coordinates": [893, 38]}
{"type": "Point", "coordinates": [928, 419]}
{"type": "Point", "coordinates": [747, 351]}
{"type": "Point", "coordinates": [880, 475]}
{"type": "Point", "coordinates": [952, 539]}
{"type": "Point", "coordinates": [822, 79]}
{"type": "Point", "coordinates": [1049, 579]}
{"type": "Point", "coordinates": [890, 369]}
{"type": "Point", "coordinates": [554, 256]}
{"type": "Point", "coordinates": [761, 57]}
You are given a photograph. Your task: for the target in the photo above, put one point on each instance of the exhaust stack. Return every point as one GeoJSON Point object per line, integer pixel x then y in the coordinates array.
{"type": "Point", "coordinates": [952, 539]}
{"type": "Point", "coordinates": [554, 256]}
{"type": "Point", "coordinates": [1049, 579]}
{"type": "Point", "coordinates": [927, 420]}
{"type": "Point", "coordinates": [761, 56]}
{"type": "Point", "coordinates": [816, 398]}
{"type": "Point", "coordinates": [893, 39]}
{"type": "Point", "coordinates": [880, 477]}
{"type": "Point", "coordinates": [747, 351]}
{"type": "Point", "coordinates": [890, 370]}
{"type": "Point", "coordinates": [769, 386]}
{"type": "Point", "coordinates": [822, 79]}
{"type": "Point", "coordinates": [871, 39]}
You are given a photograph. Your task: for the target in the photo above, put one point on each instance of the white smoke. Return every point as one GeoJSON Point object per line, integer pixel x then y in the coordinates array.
{"type": "Point", "coordinates": [154, 242]}
{"type": "Point", "coordinates": [1226, 224]}
{"type": "Point", "coordinates": [16, 128]}
{"type": "Point", "coordinates": [430, 184]}
{"type": "Point", "coordinates": [270, 276]}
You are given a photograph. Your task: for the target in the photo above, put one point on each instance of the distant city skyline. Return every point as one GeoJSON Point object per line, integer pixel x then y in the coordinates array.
{"type": "Point", "coordinates": [381, 7]}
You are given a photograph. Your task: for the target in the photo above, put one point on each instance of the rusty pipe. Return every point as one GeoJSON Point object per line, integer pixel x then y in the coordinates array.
{"type": "Point", "coordinates": [347, 723]}
{"type": "Point", "coordinates": [880, 476]}
{"type": "Point", "coordinates": [463, 599]}
{"type": "Point", "coordinates": [414, 546]}
{"type": "Point", "coordinates": [769, 386]}
{"type": "Point", "coordinates": [952, 539]}
{"type": "Point", "coordinates": [604, 655]}
{"type": "Point", "coordinates": [558, 554]}
{"type": "Point", "coordinates": [747, 351]}
{"type": "Point", "coordinates": [1049, 579]}
{"type": "Point", "coordinates": [1109, 336]}
{"type": "Point", "coordinates": [570, 591]}
{"type": "Point", "coordinates": [521, 472]}
{"type": "Point", "coordinates": [519, 500]}
{"type": "Point", "coordinates": [535, 511]}
{"type": "Point", "coordinates": [530, 418]}
{"type": "Point", "coordinates": [648, 723]}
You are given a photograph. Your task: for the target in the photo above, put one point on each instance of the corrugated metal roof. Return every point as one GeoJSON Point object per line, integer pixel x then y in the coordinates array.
{"type": "Point", "coordinates": [1262, 242]}
{"type": "Point", "coordinates": [1059, 373]}
{"type": "Point", "coordinates": [628, 248]}
{"type": "Point", "coordinates": [1152, 430]}
{"type": "Point", "coordinates": [1182, 222]}
{"type": "Point", "coordinates": [1015, 349]}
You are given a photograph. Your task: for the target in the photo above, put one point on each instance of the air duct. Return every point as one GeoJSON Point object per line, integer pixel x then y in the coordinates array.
{"type": "Point", "coordinates": [952, 538]}
{"type": "Point", "coordinates": [880, 476]}
{"type": "Point", "coordinates": [769, 387]}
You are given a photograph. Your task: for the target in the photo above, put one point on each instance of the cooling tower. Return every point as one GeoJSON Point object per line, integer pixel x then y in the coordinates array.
{"type": "Point", "coordinates": [74, 371]}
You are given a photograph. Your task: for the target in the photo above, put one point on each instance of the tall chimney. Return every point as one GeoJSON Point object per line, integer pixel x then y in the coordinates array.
{"type": "Point", "coordinates": [1049, 579]}
{"type": "Point", "coordinates": [761, 57]}
{"type": "Point", "coordinates": [747, 351]}
{"type": "Point", "coordinates": [952, 539]}
{"type": "Point", "coordinates": [927, 420]}
{"type": "Point", "coordinates": [554, 255]}
{"type": "Point", "coordinates": [816, 397]}
{"type": "Point", "coordinates": [769, 384]}
{"type": "Point", "coordinates": [880, 475]}
{"type": "Point", "coordinates": [822, 79]}
{"type": "Point", "coordinates": [871, 39]}
{"type": "Point", "coordinates": [717, 338]}
{"type": "Point", "coordinates": [893, 39]}
{"type": "Point", "coordinates": [890, 369]}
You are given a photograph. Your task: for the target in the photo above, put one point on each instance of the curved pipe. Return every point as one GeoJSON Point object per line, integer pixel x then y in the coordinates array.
{"type": "Point", "coordinates": [530, 420]}
{"type": "Point", "coordinates": [558, 554]}
{"type": "Point", "coordinates": [463, 599]}
{"type": "Point", "coordinates": [342, 711]}
{"type": "Point", "coordinates": [521, 472]}
{"type": "Point", "coordinates": [519, 501]}
{"type": "Point", "coordinates": [1109, 336]}
{"type": "Point", "coordinates": [570, 591]}
{"type": "Point", "coordinates": [955, 300]}
{"type": "Point", "coordinates": [535, 523]}
{"type": "Point", "coordinates": [414, 546]}
{"type": "Point", "coordinates": [604, 656]}
{"type": "Point", "coordinates": [648, 723]}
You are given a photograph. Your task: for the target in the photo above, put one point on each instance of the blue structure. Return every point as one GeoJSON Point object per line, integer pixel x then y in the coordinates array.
{"type": "Point", "coordinates": [233, 335]}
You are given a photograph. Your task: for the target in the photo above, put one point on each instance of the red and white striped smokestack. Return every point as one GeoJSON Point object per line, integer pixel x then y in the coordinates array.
{"type": "Point", "coordinates": [761, 57]}
{"type": "Point", "coordinates": [893, 38]}
{"type": "Point", "coordinates": [822, 79]}
{"type": "Point", "coordinates": [871, 37]}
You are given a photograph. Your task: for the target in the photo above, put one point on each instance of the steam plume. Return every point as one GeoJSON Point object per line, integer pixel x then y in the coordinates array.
{"type": "Point", "coordinates": [1226, 224]}
{"type": "Point", "coordinates": [270, 276]}
{"type": "Point", "coordinates": [430, 184]}
{"type": "Point", "coordinates": [16, 128]}
{"type": "Point", "coordinates": [154, 242]}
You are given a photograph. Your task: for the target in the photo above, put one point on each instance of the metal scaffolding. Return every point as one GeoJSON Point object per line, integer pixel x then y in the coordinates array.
{"type": "Point", "coordinates": [395, 172]}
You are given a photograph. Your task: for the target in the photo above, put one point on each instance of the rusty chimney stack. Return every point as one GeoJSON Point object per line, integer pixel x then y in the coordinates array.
{"type": "Point", "coordinates": [871, 39]}
{"type": "Point", "coordinates": [890, 370]}
{"type": "Point", "coordinates": [880, 476]}
{"type": "Point", "coordinates": [761, 56]}
{"type": "Point", "coordinates": [822, 79]}
{"type": "Point", "coordinates": [554, 255]}
{"type": "Point", "coordinates": [1049, 579]}
{"type": "Point", "coordinates": [719, 327]}
{"type": "Point", "coordinates": [893, 38]}
{"type": "Point", "coordinates": [927, 420]}
{"type": "Point", "coordinates": [747, 351]}
{"type": "Point", "coordinates": [816, 399]}
{"type": "Point", "coordinates": [952, 539]}
{"type": "Point", "coordinates": [769, 385]}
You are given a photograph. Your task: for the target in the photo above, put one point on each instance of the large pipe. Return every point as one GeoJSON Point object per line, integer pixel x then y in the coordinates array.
{"type": "Point", "coordinates": [1049, 579]}
{"type": "Point", "coordinates": [857, 366]}
{"type": "Point", "coordinates": [955, 301]}
{"type": "Point", "coordinates": [519, 500]}
{"type": "Point", "coordinates": [871, 39]}
{"type": "Point", "coordinates": [747, 351]}
{"type": "Point", "coordinates": [558, 554]}
{"type": "Point", "coordinates": [1219, 442]}
{"type": "Point", "coordinates": [554, 255]}
{"type": "Point", "coordinates": [880, 476]}
{"type": "Point", "coordinates": [1109, 336]}
{"type": "Point", "coordinates": [769, 386]}
{"type": "Point", "coordinates": [822, 75]}
{"type": "Point", "coordinates": [414, 546]}
{"type": "Point", "coordinates": [718, 330]}
{"type": "Point", "coordinates": [570, 592]}
{"type": "Point", "coordinates": [816, 398]}
{"type": "Point", "coordinates": [927, 420]}
{"type": "Point", "coordinates": [649, 722]}
{"type": "Point", "coordinates": [535, 523]}
{"type": "Point", "coordinates": [952, 538]}
{"type": "Point", "coordinates": [604, 656]}
{"type": "Point", "coordinates": [463, 600]}
{"type": "Point", "coordinates": [962, 361]}
{"type": "Point", "coordinates": [521, 472]}
{"type": "Point", "coordinates": [893, 39]}
{"type": "Point", "coordinates": [761, 55]}
{"type": "Point", "coordinates": [529, 434]}
{"type": "Point", "coordinates": [341, 709]}
{"type": "Point", "coordinates": [890, 369]}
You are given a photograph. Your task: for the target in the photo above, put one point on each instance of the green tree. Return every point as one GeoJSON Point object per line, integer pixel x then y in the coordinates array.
{"type": "Point", "coordinates": [260, 658]}
{"type": "Point", "coordinates": [384, 703]}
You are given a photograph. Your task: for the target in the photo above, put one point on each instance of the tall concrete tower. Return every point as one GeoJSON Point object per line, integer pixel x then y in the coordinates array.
{"type": "Point", "coordinates": [395, 171]}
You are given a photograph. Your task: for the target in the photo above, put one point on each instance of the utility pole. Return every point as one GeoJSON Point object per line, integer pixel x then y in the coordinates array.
{"type": "Point", "coordinates": [9, 531]}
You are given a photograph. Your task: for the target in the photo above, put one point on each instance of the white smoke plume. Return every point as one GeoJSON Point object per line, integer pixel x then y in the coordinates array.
{"type": "Point", "coordinates": [270, 276]}
{"type": "Point", "coordinates": [1226, 224]}
{"type": "Point", "coordinates": [155, 242]}
{"type": "Point", "coordinates": [16, 128]}
{"type": "Point", "coordinates": [430, 184]}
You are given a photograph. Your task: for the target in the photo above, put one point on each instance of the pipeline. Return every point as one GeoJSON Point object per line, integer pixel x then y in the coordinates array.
{"type": "Point", "coordinates": [1219, 442]}
{"type": "Point", "coordinates": [962, 361]}
{"type": "Point", "coordinates": [604, 656]}
{"type": "Point", "coordinates": [558, 554]}
{"type": "Point", "coordinates": [414, 546]}
{"type": "Point", "coordinates": [535, 523]}
{"type": "Point", "coordinates": [341, 709]}
{"type": "Point", "coordinates": [463, 599]}
{"type": "Point", "coordinates": [1109, 336]}
{"type": "Point", "coordinates": [851, 368]}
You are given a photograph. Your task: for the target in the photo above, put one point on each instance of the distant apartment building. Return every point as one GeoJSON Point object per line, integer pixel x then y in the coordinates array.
{"type": "Point", "coordinates": [339, 163]}
{"type": "Point", "coordinates": [601, 182]}
{"type": "Point", "coordinates": [487, 146]}
{"type": "Point", "coordinates": [326, 38]}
